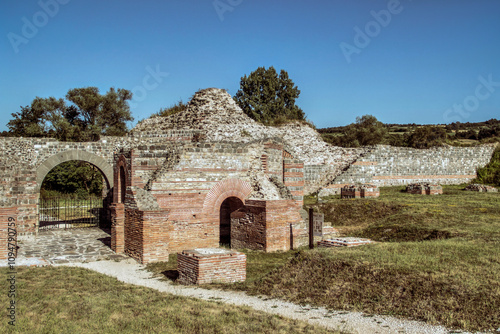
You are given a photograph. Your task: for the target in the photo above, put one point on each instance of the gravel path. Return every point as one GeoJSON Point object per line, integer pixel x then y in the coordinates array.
{"type": "Point", "coordinates": [129, 271]}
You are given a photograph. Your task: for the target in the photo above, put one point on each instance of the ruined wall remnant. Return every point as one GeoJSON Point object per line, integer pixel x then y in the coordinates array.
{"type": "Point", "coordinates": [169, 178]}
{"type": "Point", "coordinates": [360, 191]}
{"type": "Point", "coordinates": [424, 189]}
{"type": "Point", "coordinates": [385, 165]}
{"type": "Point", "coordinates": [481, 188]}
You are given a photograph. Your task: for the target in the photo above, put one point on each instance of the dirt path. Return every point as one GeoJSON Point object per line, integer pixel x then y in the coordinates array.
{"type": "Point", "coordinates": [129, 271]}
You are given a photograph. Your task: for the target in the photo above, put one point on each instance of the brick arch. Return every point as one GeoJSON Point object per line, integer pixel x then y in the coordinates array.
{"type": "Point", "coordinates": [225, 189]}
{"type": "Point", "coordinates": [46, 166]}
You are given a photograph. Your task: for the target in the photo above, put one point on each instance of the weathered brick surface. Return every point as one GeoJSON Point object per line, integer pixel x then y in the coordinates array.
{"type": "Point", "coordinates": [209, 265]}
{"type": "Point", "coordinates": [265, 225]}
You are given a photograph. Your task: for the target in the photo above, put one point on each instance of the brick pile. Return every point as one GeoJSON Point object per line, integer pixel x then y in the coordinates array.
{"type": "Point", "coordinates": [211, 265]}
{"type": "Point", "coordinates": [481, 188]}
{"type": "Point", "coordinates": [424, 189]}
{"type": "Point", "coordinates": [360, 191]}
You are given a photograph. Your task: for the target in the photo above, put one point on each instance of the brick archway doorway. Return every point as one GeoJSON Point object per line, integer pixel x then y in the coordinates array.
{"type": "Point", "coordinates": [228, 206]}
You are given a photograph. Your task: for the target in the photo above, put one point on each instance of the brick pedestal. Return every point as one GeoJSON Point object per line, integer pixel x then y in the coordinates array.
{"type": "Point", "coordinates": [424, 189]}
{"type": "Point", "coordinates": [360, 191]}
{"type": "Point", "coordinates": [211, 265]}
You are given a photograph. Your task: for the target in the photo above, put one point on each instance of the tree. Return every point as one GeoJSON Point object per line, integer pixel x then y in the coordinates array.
{"type": "Point", "coordinates": [427, 136]}
{"type": "Point", "coordinates": [366, 131]}
{"type": "Point", "coordinates": [86, 117]}
{"type": "Point", "coordinates": [269, 98]}
{"type": "Point", "coordinates": [73, 177]}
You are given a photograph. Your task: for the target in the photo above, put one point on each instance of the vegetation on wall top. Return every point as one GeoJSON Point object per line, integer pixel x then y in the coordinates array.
{"type": "Point", "coordinates": [269, 98]}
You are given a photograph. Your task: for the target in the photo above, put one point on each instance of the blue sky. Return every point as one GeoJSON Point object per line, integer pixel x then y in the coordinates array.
{"type": "Point", "coordinates": [419, 61]}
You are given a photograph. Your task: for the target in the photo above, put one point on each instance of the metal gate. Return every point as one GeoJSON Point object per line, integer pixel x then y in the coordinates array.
{"type": "Point", "coordinates": [70, 213]}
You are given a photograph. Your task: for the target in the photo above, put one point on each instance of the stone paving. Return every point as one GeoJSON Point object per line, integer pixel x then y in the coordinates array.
{"type": "Point", "coordinates": [67, 246]}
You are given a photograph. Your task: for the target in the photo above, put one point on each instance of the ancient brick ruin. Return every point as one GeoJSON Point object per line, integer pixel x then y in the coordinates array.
{"type": "Point", "coordinates": [173, 197]}
{"type": "Point", "coordinates": [360, 191]}
{"type": "Point", "coordinates": [481, 188]}
{"type": "Point", "coordinates": [210, 175]}
{"type": "Point", "coordinates": [424, 189]}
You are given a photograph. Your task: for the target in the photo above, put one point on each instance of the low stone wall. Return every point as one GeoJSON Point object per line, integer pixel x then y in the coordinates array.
{"type": "Point", "coordinates": [211, 265]}
{"type": "Point", "coordinates": [385, 165]}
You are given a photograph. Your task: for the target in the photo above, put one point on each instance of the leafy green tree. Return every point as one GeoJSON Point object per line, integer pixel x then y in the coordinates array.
{"type": "Point", "coordinates": [74, 177]}
{"type": "Point", "coordinates": [85, 117]}
{"type": "Point", "coordinates": [427, 136]}
{"type": "Point", "coordinates": [366, 131]}
{"type": "Point", "coordinates": [269, 98]}
{"type": "Point", "coordinates": [490, 174]}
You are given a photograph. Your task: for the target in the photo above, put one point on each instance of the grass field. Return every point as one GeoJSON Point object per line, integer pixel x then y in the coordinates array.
{"type": "Point", "coordinates": [75, 300]}
{"type": "Point", "coordinates": [438, 260]}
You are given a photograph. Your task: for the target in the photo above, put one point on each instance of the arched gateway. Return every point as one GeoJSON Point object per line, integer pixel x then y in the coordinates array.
{"type": "Point", "coordinates": [106, 169]}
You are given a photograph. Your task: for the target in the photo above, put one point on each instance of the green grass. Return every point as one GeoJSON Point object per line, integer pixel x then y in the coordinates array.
{"type": "Point", "coordinates": [75, 300]}
{"type": "Point", "coordinates": [437, 259]}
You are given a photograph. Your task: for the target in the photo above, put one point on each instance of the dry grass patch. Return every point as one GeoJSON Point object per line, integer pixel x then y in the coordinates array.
{"type": "Point", "coordinates": [439, 260]}
{"type": "Point", "coordinates": [75, 300]}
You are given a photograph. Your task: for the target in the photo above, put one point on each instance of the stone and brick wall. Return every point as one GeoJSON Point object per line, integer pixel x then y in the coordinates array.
{"type": "Point", "coordinates": [186, 188]}
{"type": "Point", "coordinates": [265, 225]}
{"type": "Point", "coordinates": [391, 166]}
{"type": "Point", "coordinates": [178, 171]}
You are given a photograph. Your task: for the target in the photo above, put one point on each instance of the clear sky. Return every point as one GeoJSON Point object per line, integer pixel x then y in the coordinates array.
{"type": "Point", "coordinates": [408, 61]}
